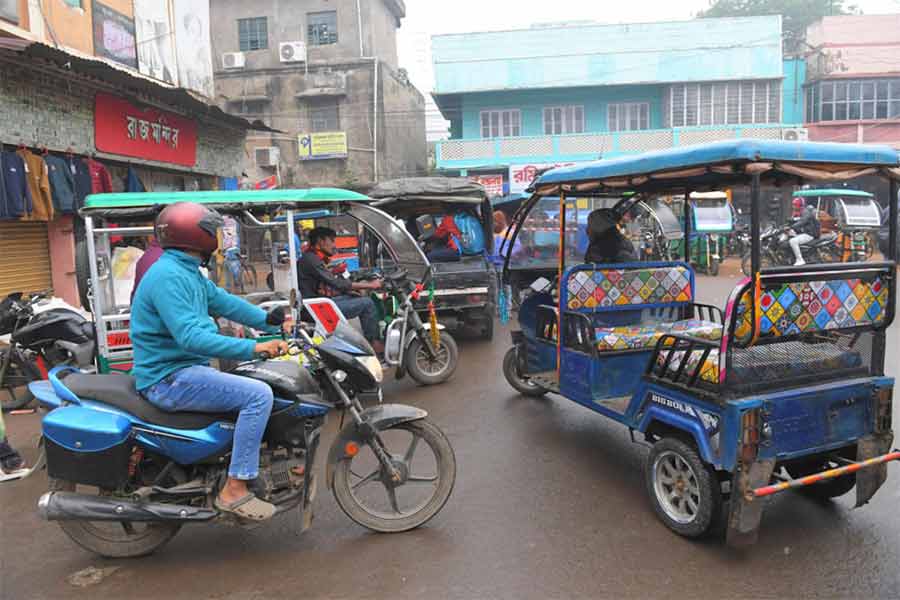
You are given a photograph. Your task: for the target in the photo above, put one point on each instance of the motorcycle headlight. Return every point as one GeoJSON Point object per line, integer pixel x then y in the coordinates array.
{"type": "Point", "coordinates": [373, 366]}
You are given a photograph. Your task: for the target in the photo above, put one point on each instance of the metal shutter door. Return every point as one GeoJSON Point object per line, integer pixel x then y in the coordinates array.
{"type": "Point", "coordinates": [24, 258]}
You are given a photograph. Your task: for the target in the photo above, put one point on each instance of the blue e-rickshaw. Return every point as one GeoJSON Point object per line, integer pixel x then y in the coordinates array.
{"type": "Point", "coordinates": [784, 388]}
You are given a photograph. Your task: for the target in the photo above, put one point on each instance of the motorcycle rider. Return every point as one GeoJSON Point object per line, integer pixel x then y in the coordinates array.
{"type": "Point", "coordinates": [174, 338]}
{"type": "Point", "coordinates": [804, 229]}
{"type": "Point", "coordinates": [317, 280]}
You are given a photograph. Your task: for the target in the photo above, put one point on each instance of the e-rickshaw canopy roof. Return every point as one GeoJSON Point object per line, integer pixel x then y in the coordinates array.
{"type": "Point", "coordinates": [148, 203]}
{"type": "Point", "coordinates": [449, 189]}
{"type": "Point", "coordinates": [832, 192]}
{"type": "Point", "coordinates": [720, 164]}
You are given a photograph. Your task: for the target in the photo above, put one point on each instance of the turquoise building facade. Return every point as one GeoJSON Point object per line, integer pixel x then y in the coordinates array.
{"type": "Point", "coordinates": [571, 93]}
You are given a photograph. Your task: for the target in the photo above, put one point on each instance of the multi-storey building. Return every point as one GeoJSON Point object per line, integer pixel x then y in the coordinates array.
{"type": "Point", "coordinates": [323, 73]}
{"type": "Point", "coordinates": [519, 100]}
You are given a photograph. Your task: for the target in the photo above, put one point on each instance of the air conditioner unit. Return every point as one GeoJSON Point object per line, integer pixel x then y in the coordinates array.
{"type": "Point", "coordinates": [292, 52]}
{"type": "Point", "coordinates": [268, 156]}
{"type": "Point", "coordinates": [796, 134]}
{"type": "Point", "coordinates": [233, 60]}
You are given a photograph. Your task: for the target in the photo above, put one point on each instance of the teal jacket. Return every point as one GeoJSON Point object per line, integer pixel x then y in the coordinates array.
{"type": "Point", "coordinates": [171, 328]}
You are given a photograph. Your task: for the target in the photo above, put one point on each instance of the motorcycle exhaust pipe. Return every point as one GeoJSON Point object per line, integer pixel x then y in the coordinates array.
{"type": "Point", "coordinates": [69, 506]}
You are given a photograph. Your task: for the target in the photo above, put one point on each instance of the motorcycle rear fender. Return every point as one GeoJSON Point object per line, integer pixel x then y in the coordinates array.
{"type": "Point", "coordinates": [380, 417]}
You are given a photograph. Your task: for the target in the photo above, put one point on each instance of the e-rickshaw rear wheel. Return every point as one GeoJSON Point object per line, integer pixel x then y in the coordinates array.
{"type": "Point", "coordinates": [684, 490]}
{"type": "Point", "coordinates": [521, 384]}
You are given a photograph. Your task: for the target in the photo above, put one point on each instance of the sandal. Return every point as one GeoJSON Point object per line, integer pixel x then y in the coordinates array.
{"type": "Point", "coordinates": [249, 507]}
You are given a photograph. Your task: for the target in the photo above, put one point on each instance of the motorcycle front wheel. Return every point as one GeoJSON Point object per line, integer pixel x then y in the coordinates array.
{"type": "Point", "coordinates": [765, 261]}
{"type": "Point", "coordinates": [368, 495]}
{"type": "Point", "coordinates": [431, 370]}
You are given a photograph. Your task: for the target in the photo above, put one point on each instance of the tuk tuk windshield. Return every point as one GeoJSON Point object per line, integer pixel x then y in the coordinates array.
{"type": "Point", "coordinates": [859, 211]}
{"type": "Point", "coordinates": [712, 214]}
{"type": "Point", "coordinates": [536, 246]}
{"type": "Point", "coordinates": [665, 218]}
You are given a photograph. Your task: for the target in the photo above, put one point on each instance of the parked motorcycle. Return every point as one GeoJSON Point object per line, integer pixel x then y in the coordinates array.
{"type": "Point", "coordinates": [739, 241]}
{"type": "Point", "coordinates": [775, 249]}
{"type": "Point", "coordinates": [408, 343]}
{"type": "Point", "coordinates": [125, 476]}
{"type": "Point", "coordinates": [39, 340]}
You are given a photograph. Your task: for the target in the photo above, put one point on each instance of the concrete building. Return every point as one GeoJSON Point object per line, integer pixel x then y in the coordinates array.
{"type": "Point", "coordinates": [415, 57]}
{"type": "Point", "coordinates": [324, 73]}
{"type": "Point", "coordinates": [853, 79]}
{"type": "Point", "coordinates": [555, 94]}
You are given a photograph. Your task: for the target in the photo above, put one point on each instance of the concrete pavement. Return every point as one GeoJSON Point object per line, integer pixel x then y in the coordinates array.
{"type": "Point", "coordinates": [549, 502]}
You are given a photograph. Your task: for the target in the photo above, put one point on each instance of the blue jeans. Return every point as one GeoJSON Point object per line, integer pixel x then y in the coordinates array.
{"type": "Point", "coordinates": [362, 307]}
{"type": "Point", "coordinates": [204, 389]}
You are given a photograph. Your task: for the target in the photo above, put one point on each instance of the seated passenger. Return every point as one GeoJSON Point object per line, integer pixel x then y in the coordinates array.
{"type": "Point", "coordinates": [317, 280]}
{"type": "Point", "coordinates": [607, 244]}
{"type": "Point", "coordinates": [444, 245]}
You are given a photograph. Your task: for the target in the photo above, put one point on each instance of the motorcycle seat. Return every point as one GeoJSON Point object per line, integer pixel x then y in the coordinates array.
{"type": "Point", "coordinates": [120, 391]}
{"type": "Point", "coordinates": [824, 240]}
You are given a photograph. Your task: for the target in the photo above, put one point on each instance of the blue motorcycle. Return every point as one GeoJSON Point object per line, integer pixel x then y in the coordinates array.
{"type": "Point", "coordinates": [125, 476]}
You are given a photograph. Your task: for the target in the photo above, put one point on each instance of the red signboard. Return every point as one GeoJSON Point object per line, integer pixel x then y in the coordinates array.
{"type": "Point", "coordinates": [123, 128]}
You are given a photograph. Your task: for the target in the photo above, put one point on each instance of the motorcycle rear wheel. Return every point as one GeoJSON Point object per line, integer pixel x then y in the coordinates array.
{"type": "Point", "coordinates": [115, 540]}
{"type": "Point", "coordinates": [14, 393]}
{"type": "Point", "coordinates": [765, 261]}
{"type": "Point", "coordinates": [347, 482]}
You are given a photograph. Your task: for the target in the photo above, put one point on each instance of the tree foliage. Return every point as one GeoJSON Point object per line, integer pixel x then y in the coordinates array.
{"type": "Point", "coordinates": [796, 15]}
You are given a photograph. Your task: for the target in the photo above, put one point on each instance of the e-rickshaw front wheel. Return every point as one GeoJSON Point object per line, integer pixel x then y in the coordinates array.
{"type": "Point", "coordinates": [431, 370]}
{"type": "Point", "coordinates": [684, 490]}
{"type": "Point", "coordinates": [521, 384]}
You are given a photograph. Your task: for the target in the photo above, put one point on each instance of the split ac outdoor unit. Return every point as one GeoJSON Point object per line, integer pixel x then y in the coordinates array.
{"type": "Point", "coordinates": [233, 60]}
{"type": "Point", "coordinates": [292, 52]}
{"type": "Point", "coordinates": [268, 156]}
{"type": "Point", "coordinates": [796, 134]}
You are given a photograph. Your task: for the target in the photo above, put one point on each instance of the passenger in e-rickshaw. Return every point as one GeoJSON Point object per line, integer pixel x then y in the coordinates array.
{"type": "Point", "coordinates": [781, 390]}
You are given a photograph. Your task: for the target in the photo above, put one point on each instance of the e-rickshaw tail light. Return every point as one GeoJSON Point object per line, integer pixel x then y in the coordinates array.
{"type": "Point", "coordinates": [883, 409]}
{"type": "Point", "coordinates": [750, 423]}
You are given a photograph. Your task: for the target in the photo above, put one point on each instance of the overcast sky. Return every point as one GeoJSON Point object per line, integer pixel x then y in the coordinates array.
{"type": "Point", "coordinates": [430, 17]}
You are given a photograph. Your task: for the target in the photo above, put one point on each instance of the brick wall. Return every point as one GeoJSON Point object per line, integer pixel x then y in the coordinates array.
{"type": "Point", "coordinates": [38, 109]}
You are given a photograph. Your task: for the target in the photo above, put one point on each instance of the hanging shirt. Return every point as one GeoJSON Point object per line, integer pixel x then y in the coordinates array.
{"type": "Point", "coordinates": [101, 182]}
{"type": "Point", "coordinates": [133, 183]}
{"type": "Point", "coordinates": [62, 184]}
{"type": "Point", "coordinates": [83, 185]}
{"type": "Point", "coordinates": [15, 197]}
{"type": "Point", "coordinates": [38, 185]}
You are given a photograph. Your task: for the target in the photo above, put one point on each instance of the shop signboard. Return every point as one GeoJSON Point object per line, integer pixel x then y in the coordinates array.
{"type": "Point", "coordinates": [493, 184]}
{"type": "Point", "coordinates": [521, 176]}
{"type": "Point", "coordinates": [193, 46]}
{"type": "Point", "coordinates": [326, 144]}
{"type": "Point", "coordinates": [122, 128]}
{"type": "Point", "coordinates": [114, 35]}
{"type": "Point", "coordinates": [155, 40]}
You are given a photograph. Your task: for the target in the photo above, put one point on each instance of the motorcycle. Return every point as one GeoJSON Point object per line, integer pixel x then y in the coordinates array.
{"type": "Point", "coordinates": [125, 476]}
{"type": "Point", "coordinates": [408, 342]}
{"type": "Point", "coordinates": [39, 339]}
{"type": "Point", "coordinates": [739, 241]}
{"type": "Point", "coordinates": [775, 249]}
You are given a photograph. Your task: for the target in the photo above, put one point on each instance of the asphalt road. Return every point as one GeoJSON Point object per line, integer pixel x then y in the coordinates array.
{"type": "Point", "coordinates": [549, 502]}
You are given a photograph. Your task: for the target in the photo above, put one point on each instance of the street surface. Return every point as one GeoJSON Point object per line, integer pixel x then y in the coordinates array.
{"type": "Point", "coordinates": [549, 503]}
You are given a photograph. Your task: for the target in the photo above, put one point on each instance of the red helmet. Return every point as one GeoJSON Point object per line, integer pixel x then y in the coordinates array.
{"type": "Point", "coordinates": [188, 226]}
{"type": "Point", "coordinates": [798, 203]}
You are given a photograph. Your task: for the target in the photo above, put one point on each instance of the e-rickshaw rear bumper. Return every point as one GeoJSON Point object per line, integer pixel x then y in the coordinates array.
{"type": "Point", "coordinates": [753, 483]}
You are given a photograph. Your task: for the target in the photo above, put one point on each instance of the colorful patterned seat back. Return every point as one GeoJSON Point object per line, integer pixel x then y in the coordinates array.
{"type": "Point", "coordinates": [796, 308]}
{"type": "Point", "coordinates": [592, 288]}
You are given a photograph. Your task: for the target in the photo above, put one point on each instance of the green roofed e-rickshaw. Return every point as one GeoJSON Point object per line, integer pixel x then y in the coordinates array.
{"type": "Point", "coordinates": [260, 225]}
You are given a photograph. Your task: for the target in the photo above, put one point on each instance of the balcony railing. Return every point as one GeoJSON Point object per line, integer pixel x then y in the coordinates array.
{"type": "Point", "coordinates": [588, 146]}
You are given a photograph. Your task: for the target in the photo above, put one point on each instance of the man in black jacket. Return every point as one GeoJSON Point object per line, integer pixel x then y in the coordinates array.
{"type": "Point", "coordinates": [317, 280]}
{"type": "Point", "coordinates": [607, 243]}
{"type": "Point", "coordinates": [805, 229]}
